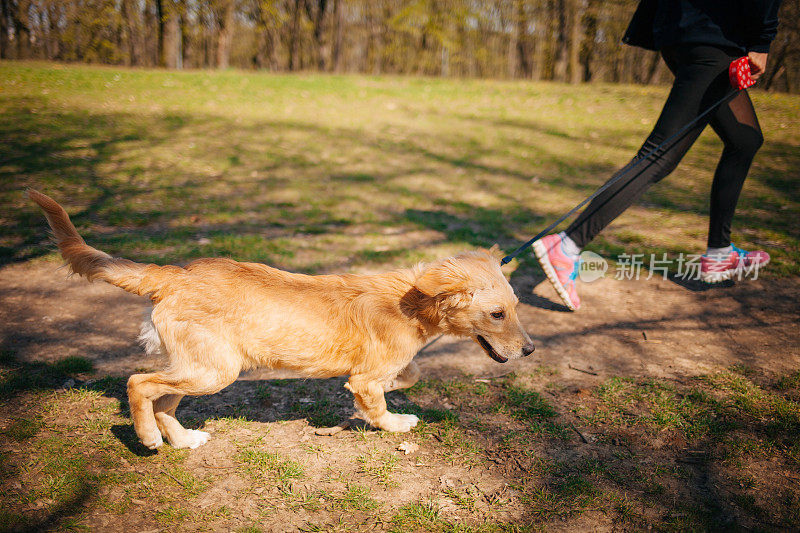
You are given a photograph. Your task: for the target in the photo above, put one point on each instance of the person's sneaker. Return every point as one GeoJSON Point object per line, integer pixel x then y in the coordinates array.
{"type": "Point", "coordinates": [560, 268]}
{"type": "Point", "coordinates": [714, 269]}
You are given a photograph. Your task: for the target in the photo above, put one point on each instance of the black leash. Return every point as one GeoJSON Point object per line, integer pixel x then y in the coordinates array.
{"type": "Point", "coordinates": [680, 133]}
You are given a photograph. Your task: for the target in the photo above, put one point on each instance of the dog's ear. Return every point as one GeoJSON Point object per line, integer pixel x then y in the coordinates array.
{"type": "Point", "coordinates": [496, 252]}
{"type": "Point", "coordinates": [445, 282]}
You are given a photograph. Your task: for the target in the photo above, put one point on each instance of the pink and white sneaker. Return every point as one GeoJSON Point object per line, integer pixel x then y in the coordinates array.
{"type": "Point", "coordinates": [560, 268]}
{"type": "Point", "coordinates": [714, 269]}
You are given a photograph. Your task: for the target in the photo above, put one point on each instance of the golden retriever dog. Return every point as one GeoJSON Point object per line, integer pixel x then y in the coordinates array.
{"type": "Point", "coordinates": [215, 318]}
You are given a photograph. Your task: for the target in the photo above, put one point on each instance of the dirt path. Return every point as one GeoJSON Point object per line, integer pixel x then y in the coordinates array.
{"type": "Point", "coordinates": [644, 329]}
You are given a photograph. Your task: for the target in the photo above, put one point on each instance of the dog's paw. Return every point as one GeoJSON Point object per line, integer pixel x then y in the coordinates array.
{"type": "Point", "coordinates": [196, 438]}
{"type": "Point", "coordinates": [191, 438]}
{"type": "Point", "coordinates": [153, 440]}
{"type": "Point", "coordinates": [397, 423]}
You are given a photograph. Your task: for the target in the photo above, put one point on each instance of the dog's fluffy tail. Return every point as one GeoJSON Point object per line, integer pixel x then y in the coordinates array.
{"type": "Point", "coordinates": [92, 263]}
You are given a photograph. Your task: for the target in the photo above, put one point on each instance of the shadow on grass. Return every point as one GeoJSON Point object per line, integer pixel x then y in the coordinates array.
{"type": "Point", "coordinates": [127, 436]}
{"type": "Point", "coordinates": [93, 161]}
{"type": "Point", "coordinates": [676, 467]}
{"type": "Point", "coordinates": [57, 517]}
{"type": "Point", "coordinates": [323, 403]}
{"type": "Point", "coordinates": [18, 377]}
{"type": "Point", "coordinates": [145, 206]}
{"type": "Point", "coordinates": [665, 457]}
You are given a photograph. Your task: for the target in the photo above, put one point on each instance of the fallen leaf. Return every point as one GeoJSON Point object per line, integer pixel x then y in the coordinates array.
{"type": "Point", "coordinates": [408, 447]}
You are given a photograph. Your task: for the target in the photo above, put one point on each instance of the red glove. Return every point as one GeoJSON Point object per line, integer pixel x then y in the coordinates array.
{"type": "Point", "coordinates": [739, 73]}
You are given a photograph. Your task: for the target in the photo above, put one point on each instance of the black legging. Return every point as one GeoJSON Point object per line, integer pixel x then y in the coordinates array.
{"type": "Point", "coordinates": [701, 79]}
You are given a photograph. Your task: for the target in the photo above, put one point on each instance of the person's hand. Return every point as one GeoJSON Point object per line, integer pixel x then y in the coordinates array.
{"type": "Point", "coordinates": [758, 64]}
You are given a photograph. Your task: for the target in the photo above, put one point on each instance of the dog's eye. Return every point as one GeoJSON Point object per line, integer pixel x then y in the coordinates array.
{"type": "Point", "coordinates": [499, 315]}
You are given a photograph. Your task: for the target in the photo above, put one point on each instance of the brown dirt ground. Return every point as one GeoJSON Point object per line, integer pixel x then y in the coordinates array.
{"type": "Point", "coordinates": [642, 329]}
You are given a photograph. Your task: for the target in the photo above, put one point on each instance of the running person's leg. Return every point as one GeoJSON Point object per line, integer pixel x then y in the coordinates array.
{"type": "Point", "coordinates": [737, 125]}
{"type": "Point", "coordinates": [701, 80]}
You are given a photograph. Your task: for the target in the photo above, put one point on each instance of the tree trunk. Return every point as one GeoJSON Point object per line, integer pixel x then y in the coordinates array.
{"type": "Point", "coordinates": [293, 35]}
{"type": "Point", "coordinates": [542, 44]}
{"type": "Point", "coordinates": [160, 32]}
{"type": "Point", "coordinates": [513, 38]}
{"type": "Point", "coordinates": [522, 40]}
{"type": "Point", "coordinates": [336, 49]}
{"type": "Point", "coordinates": [652, 68]}
{"type": "Point", "coordinates": [127, 11]}
{"type": "Point", "coordinates": [52, 17]}
{"type": "Point", "coordinates": [22, 31]}
{"type": "Point", "coordinates": [225, 33]}
{"type": "Point", "coordinates": [317, 15]}
{"type": "Point", "coordinates": [5, 44]}
{"type": "Point", "coordinates": [265, 52]}
{"type": "Point", "coordinates": [171, 44]}
{"type": "Point", "coordinates": [588, 49]}
{"type": "Point", "coordinates": [776, 62]}
{"type": "Point", "coordinates": [575, 41]}
{"type": "Point", "coordinates": [562, 48]}
{"type": "Point", "coordinates": [379, 41]}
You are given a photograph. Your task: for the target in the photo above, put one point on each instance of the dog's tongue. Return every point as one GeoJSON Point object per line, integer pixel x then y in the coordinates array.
{"type": "Point", "coordinates": [497, 357]}
{"type": "Point", "coordinates": [490, 350]}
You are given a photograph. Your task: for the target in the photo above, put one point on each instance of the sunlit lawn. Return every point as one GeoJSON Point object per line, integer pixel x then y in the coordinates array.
{"type": "Point", "coordinates": [354, 173]}
{"type": "Point", "coordinates": [327, 173]}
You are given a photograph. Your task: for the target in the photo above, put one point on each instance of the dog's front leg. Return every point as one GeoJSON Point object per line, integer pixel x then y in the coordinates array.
{"type": "Point", "coordinates": [371, 404]}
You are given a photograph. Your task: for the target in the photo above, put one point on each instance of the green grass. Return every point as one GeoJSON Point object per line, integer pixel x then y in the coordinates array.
{"type": "Point", "coordinates": [171, 515]}
{"type": "Point", "coordinates": [378, 466]}
{"type": "Point", "coordinates": [318, 173]}
{"type": "Point", "coordinates": [23, 429]}
{"type": "Point", "coordinates": [189, 483]}
{"type": "Point", "coordinates": [362, 173]}
{"type": "Point", "coordinates": [259, 463]}
{"type": "Point", "coordinates": [74, 365]}
{"type": "Point", "coordinates": [660, 406]}
{"type": "Point", "coordinates": [355, 498]}
{"type": "Point", "coordinates": [529, 406]}
{"type": "Point", "coordinates": [650, 441]}
{"type": "Point", "coordinates": [418, 516]}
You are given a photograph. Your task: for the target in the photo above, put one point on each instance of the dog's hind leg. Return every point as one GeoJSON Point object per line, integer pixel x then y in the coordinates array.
{"type": "Point", "coordinates": [372, 405]}
{"type": "Point", "coordinates": [143, 389]}
{"type": "Point", "coordinates": [405, 379]}
{"type": "Point", "coordinates": [154, 397]}
{"type": "Point", "coordinates": [172, 430]}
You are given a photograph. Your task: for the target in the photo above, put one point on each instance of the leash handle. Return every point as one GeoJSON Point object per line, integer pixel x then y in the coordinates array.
{"type": "Point", "coordinates": [740, 75]}
{"type": "Point", "coordinates": [740, 78]}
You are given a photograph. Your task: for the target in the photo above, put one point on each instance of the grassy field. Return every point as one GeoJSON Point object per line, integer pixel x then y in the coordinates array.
{"type": "Point", "coordinates": [716, 452]}
{"type": "Point", "coordinates": [322, 173]}
{"type": "Point", "coordinates": [353, 173]}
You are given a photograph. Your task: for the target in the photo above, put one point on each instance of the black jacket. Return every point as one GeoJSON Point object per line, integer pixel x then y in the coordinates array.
{"type": "Point", "coordinates": [745, 25]}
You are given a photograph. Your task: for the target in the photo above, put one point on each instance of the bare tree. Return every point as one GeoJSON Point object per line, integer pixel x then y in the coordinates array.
{"type": "Point", "coordinates": [576, 10]}
{"type": "Point", "coordinates": [565, 40]}
{"type": "Point", "coordinates": [336, 47]}
{"type": "Point", "coordinates": [562, 45]}
{"type": "Point", "coordinates": [294, 37]}
{"type": "Point", "coordinates": [315, 9]}
{"type": "Point", "coordinates": [224, 11]}
{"type": "Point", "coordinates": [5, 15]}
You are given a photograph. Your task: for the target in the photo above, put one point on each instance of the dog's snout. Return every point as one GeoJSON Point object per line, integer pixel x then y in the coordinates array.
{"type": "Point", "coordinates": [528, 349]}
